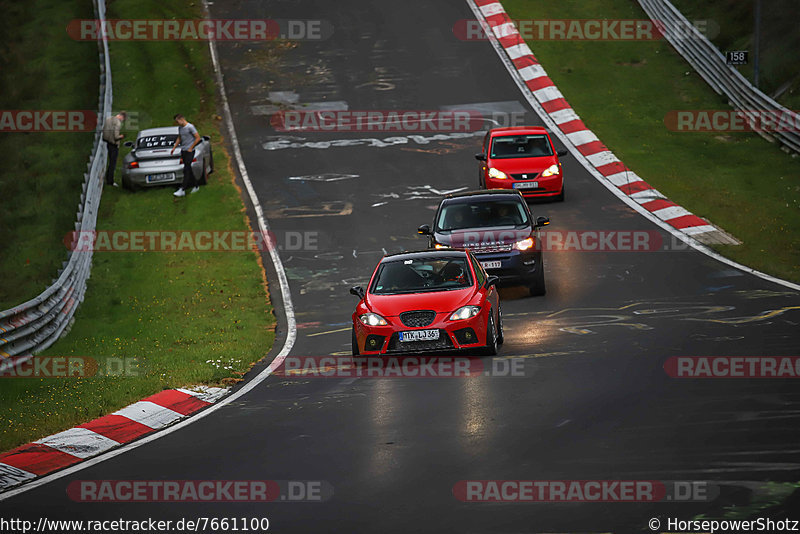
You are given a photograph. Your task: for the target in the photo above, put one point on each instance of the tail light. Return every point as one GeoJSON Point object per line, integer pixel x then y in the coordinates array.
{"type": "Point", "coordinates": [133, 165]}
{"type": "Point", "coordinates": [194, 160]}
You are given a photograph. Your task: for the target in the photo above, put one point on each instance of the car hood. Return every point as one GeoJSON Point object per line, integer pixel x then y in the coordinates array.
{"type": "Point", "coordinates": [483, 237]}
{"type": "Point", "coordinates": [438, 301]}
{"type": "Point", "coordinates": [523, 165]}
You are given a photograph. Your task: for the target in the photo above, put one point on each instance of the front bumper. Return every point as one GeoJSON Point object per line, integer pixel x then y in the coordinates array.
{"type": "Point", "coordinates": [516, 266]}
{"type": "Point", "coordinates": [453, 335]}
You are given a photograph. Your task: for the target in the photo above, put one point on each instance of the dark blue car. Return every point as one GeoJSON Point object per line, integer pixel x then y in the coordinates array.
{"type": "Point", "coordinates": [497, 226]}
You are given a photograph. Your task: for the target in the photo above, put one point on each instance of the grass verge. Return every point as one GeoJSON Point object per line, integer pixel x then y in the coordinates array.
{"type": "Point", "coordinates": [173, 318]}
{"type": "Point", "coordinates": [623, 89]}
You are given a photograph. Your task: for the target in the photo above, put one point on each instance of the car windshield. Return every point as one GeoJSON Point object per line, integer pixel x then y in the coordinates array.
{"type": "Point", "coordinates": [156, 141]}
{"type": "Point", "coordinates": [422, 274]}
{"type": "Point", "coordinates": [521, 146]}
{"type": "Point", "coordinates": [481, 214]}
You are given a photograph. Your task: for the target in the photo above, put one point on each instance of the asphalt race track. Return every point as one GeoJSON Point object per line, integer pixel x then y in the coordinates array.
{"type": "Point", "coordinates": [595, 402]}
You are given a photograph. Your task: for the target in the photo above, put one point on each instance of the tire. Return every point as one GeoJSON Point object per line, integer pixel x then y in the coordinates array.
{"type": "Point", "coordinates": [537, 286]}
{"type": "Point", "coordinates": [203, 176]}
{"type": "Point", "coordinates": [355, 343]}
{"type": "Point", "coordinates": [491, 338]}
{"type": "Point", "coordinates": [211, 161]}
{"type": "Point", "coordinates": [127, 184]}
{"type": "Point", "coordinates": [500, 336]}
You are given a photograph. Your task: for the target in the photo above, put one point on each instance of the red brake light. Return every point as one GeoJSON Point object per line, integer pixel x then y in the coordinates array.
{"type": "Point", "coordinates": [133, 165]}
{"type": "Point", "coordinates": [194, 160]}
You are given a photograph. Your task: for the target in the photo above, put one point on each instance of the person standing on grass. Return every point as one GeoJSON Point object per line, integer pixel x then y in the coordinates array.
{"type": "Point", "coordinates": [188, 138]}
{"type": "Point", "coordinates": [112, 136]}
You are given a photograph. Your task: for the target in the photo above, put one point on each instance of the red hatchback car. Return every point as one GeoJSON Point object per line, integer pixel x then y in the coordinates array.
{"type": "Point", "coordinates": [521, 158]}
{"type": "Point", "coordinates": [427, 301]}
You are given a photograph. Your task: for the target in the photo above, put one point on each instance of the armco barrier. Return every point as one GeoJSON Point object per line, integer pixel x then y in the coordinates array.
{"type": "Point", "coordinates": [36, 324]}
{"type": "Point", "coordinates": [709, 62]}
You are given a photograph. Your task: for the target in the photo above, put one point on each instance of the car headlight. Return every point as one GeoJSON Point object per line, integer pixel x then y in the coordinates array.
{"type": "Point", "coordinates": [439, 245]}
{"type": "Point", "coordinates": [497, 173]}
{"type": "Point", "coordinates": [551, 170]}
{"type": "Point", "coordinates": [525, 244]}
{"type": "Point", "coordinates": [372, 319]}
{"type": "Point", "coordinates": [465, 312]}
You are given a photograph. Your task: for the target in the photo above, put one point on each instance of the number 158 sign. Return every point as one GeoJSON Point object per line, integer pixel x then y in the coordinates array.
{"type": "Point", "coordinates": [736, 57]}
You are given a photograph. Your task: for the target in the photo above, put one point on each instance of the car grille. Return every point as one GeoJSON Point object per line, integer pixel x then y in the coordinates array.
{"type": "Point", "coordinates": [416, 319]}
{"type": "Point", "coordinates": [525, 176]}
{"type": "Point", "coordinates": [443, 343]}
{"type": "Point", "coordinates": [487, 249]}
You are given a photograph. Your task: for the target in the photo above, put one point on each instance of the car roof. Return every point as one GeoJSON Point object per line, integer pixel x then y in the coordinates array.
{"type": "Point", "coordinates": [518, 130]}
{"type": "Point", "coordinates": [488, 193]}
{"type": "Point", "coordinates": [417, 254]}
{"type": "Point", "coordinates": [164, 130]}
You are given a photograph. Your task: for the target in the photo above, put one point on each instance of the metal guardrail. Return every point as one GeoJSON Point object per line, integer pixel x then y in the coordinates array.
{"type": "Point", "coordinates": [709, 62]}
{"type": "Point", "coordinates": [36, 324]}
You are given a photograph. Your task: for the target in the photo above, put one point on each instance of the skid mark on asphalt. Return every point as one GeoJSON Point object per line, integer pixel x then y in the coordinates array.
{"type": "Point", "coordinates": [370, 142]}
{"type": "Point", "coordinates": [584, 321]}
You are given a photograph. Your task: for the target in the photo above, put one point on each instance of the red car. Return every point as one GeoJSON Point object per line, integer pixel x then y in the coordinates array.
{"type": "Point", "coordinates": [522, 158]}
{"type": "Point", "coordinates": [427, 301]}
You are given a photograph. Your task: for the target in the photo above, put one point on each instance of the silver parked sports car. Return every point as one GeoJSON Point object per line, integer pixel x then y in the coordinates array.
{"type": "Point", "coordinates": [149, 163]}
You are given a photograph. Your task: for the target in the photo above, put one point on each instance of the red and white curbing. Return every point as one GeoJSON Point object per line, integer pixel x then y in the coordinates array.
{"type": "Point", "coordinates": [596, 153]}
{"type": "Point", "coordinates": [95, 437]}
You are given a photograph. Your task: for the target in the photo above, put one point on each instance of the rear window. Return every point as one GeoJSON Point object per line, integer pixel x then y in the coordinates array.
{"type": "Point", "coordinates": [422, 274]}
{"type": "Point", "coordinates": [156, 141]}
{"type": "Point", "coordinates": [521, 146]}
{"type": "Point", "coordinates": [481, 214]}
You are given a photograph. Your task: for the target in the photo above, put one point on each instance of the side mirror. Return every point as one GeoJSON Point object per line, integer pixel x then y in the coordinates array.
{"type": "Point", "coordinates": [206, 138]}
{"type": "Point", "coordinates": [492, 280]}
{"type": "Point", "coordinates": [480, 157]}
{"type": "Point", "coordinates": [357, 291]}
{"type": "Point", "coordinates": [424, 230]}
{"type": "Point", "coordinates": [562, 153]}
{"type": "Point", "coordinates": [542, 221]}
{"type": "Point", "coordinates": [128, 144]}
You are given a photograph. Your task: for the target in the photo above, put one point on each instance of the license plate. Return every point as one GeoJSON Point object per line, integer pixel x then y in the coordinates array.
{"type": "Point", "coordinates": [160, 177]}
{"type": "Point", "coordinates": [419, 335]}
{"type": "Point", "coordinates": [491, 264]}
{"type": "Point", "coordinates": [526, 185]}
